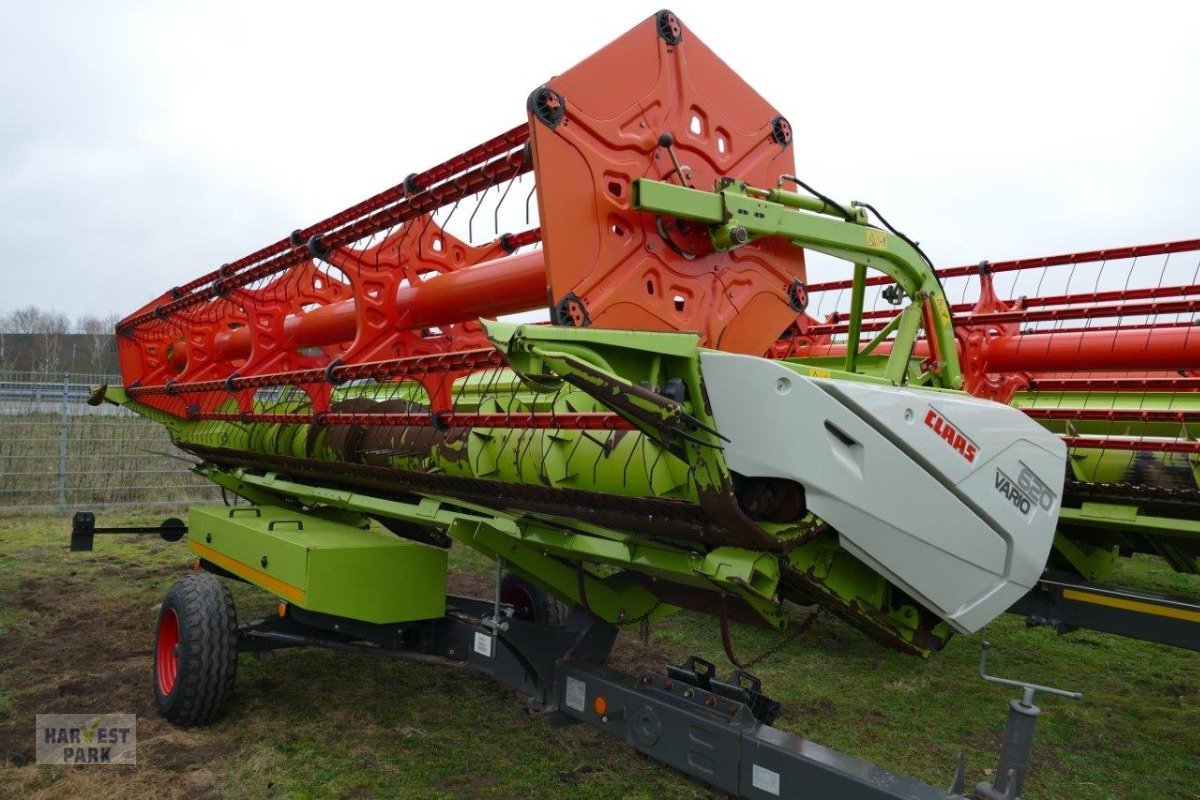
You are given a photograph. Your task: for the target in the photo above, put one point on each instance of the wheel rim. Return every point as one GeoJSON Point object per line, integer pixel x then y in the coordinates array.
{"type": "Point", "coordinates": [168, 651]}
{"type": "Point", "coordinates": [521, 599]}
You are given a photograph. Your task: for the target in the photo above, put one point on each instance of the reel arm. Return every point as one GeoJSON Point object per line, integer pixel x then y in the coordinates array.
{"type": "Point", "coordinates": [738, 214]}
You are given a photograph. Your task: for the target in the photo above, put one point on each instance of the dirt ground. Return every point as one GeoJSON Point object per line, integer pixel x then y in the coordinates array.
{"type": "Point", "coordinates": [78, 666]}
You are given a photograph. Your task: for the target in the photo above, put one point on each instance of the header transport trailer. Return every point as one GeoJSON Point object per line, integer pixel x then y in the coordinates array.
{"type": "Point", "coordinates": [699, 426]}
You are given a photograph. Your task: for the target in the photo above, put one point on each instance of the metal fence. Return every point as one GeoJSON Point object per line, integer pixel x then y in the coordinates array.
{"type": "Point", "coordinates": [57, 453]}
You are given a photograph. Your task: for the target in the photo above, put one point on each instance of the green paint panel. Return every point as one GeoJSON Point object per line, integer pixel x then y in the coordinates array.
{"type": "Point", "coordinates": [1091, 561]}
{"type": "Point", "coordinates": [321, 565]}
{"type": "Point", "coordinates": [1127, 518]}
{"type": "Point", "coordinates": [679, 201]}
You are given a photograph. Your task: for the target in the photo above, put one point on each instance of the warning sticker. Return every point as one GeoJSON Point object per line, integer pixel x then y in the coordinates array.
{"type": "Point", "coordinates": [766, 780]}
{"type": "Point", "coordinates": [483, 644]}
{"type": "Point", "coordinates": [576, 698]}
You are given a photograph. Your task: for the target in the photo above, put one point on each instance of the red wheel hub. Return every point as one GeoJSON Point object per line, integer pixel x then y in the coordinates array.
{"type": "Point", "coordinates": [167, 658]}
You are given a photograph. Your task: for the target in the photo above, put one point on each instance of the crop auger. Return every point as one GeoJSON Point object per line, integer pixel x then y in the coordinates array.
{"type": "Point", "coordinates": [686, 432]}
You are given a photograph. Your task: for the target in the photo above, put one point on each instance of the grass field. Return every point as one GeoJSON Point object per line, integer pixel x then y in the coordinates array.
{"type": "Point", "coordinates": [76, 633]}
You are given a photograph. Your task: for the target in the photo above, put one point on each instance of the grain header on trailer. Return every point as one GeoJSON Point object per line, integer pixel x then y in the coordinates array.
{"type": "Point", "coordinates": [687, 432]}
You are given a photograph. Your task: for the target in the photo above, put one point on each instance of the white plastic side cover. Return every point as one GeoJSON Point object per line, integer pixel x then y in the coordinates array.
{"type": "Point", "coordinates": [907, 497]}
{"type": "Point", "coordinates": [1007, 468]}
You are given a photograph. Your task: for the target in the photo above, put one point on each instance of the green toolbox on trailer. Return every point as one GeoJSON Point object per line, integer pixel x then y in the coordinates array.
{"type": "Point", "coordinates": [323, 565]}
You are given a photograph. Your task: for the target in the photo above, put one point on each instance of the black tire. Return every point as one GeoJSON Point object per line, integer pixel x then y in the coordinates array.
{"type": "Point", "coordinates": [532, 603]}
{"type": "Point", "coordinates": [195, 650]}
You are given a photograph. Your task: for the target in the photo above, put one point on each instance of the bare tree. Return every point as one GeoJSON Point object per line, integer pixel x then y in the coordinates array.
{"type": "Point", "coordinates": [32, 319]}
{"type": "Point", "coordinates": [23, 320]}
{"type": "Point", "coordinates": [48, 328]}
{"type": "Point", "coordinates": [99, 332]}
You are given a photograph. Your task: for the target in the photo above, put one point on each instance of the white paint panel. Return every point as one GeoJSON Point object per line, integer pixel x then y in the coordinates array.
{"type": "Point", "coordinates": [903, 498]}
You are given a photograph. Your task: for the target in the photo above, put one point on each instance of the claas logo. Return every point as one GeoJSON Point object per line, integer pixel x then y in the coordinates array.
{"type": "Point", "coordinates": [951, 435]}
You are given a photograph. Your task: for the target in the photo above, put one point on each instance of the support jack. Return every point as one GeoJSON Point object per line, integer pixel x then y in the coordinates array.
{"type": "Point", "coordinates": [1018, 734]}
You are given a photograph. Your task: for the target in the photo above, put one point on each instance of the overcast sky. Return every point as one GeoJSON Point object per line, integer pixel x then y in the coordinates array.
{"type": "Point", "coordinates": [142, 144]}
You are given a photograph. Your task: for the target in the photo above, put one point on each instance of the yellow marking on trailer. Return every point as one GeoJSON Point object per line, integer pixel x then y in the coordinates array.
{"type": "Point", "coordinates": [1132, 605]}
{"type": "Point", "coordinates": [268, 582]}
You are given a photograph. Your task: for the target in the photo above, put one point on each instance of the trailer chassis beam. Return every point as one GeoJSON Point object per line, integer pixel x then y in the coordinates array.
{"type": "Point", "coordinates": [687, 719]}
{"type": "Point", "coordinates": [1065, 604]}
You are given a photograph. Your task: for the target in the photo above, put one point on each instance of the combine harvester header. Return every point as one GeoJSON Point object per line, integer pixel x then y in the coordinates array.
{"type": "Point", "coordinates": [686, 433]}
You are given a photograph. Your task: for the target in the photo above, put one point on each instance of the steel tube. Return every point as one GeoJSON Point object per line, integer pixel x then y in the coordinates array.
{"type": "Point", "coordinates": [1173, 383]}
{"type": "Point", "coordinates": [1055, 351]}
{"type": "Point", "coordinates": [1050, 351]}
{"type": "Point", "coordinates": [1112, 414]}
{"type": "Point", "coordinates": [507, 285]}
{"type": "Point", "coordinates": [1132, 443]}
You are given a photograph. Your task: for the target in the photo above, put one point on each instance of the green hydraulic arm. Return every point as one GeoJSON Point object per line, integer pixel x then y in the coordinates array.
{"type": "Point", "coordinates": [738, 214]}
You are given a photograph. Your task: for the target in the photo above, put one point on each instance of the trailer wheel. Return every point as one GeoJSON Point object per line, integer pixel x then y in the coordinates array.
{"type": "Point", "coordinates": [531, 603]}
{"type": "Point", "coordinates": [195, 650]}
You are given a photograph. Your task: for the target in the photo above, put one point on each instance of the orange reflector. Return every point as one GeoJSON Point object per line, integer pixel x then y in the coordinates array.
{"type": "Point", "coordinates": [600, 705]}
{"type": "Point", "coordinates": [281, 610]}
